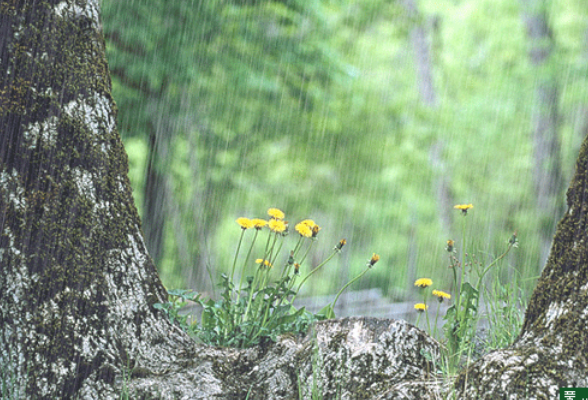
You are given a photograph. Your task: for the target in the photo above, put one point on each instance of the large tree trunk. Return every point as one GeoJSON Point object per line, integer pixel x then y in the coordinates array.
{"type": "Point", "coordinates": [76, 283]}
{"type": "Point", "coordinates": [77, 286]}
{"type": "Point", "coordinates": [546, 145]}
{"type": "Point", "coordinates": [155, 198]}
{"type": "Point", "coordinates": [422, 55]}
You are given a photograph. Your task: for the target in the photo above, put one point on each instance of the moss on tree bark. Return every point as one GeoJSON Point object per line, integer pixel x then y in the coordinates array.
{"type": "Point", "coordinates": [76, 284]}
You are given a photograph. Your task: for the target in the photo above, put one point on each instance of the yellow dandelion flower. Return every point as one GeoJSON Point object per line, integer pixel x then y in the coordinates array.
{"type": "Point", "coordinates": [420, 307]}
{"type": "Point", "coordinates": [303, 229]}
{"type": "Point", "coordinates": [450, 244]}
{"type": "Point", "coordinates": [375, 258]}
{"type": "Point", "coordinates": [277, 225]}
{"type": "Point", "coordinates": [265, 262]}
{"type": "Point", "coordinates": [309, 222]}
{"type": "Point", "coordinates": [441, 295]}
{"type": "Point", "coordinates": [276, 213]}
{"type": "Point", "coordinates": [463, 207]}
{"type": "Point", "coordinates": [245, 223]}
{"type": "Point", "coordinates": [297, 268]}
{"type": "Point", "coordinates": [258, 223]}
{"type": "Point", "coordinates": [423, 282]}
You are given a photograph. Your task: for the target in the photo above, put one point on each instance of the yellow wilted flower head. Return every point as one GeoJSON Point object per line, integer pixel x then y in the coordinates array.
{"type": "Point", "coordinates": [315, 230]}
{"type": "Point", "coordinates": [245, 223]}
{"type": "Point", "coordinates": [450, 244]}
{"type": "Point", "coordinates": [265, 262]}
{"type": "Point", "coordinates": [276, 213]}
{"type": "Point", "coordinates": [258, 223]}
{"type": "Point", "coordinates": [441, 295]}
{"type": "Point", "coordinates": [277, 225]}
{"type": "Point", "coordinates": [340, 245]}
{"type": "Point", "coordinates": [423, 282]}
{"type": "Point", "coordinates": [375, 258]}
{"type": "Point", "coordinates": [463, 207]}
{"type": "Point", "coordinates": [420, 307]}
{"type": "Point", "coordinates": [303, 229]}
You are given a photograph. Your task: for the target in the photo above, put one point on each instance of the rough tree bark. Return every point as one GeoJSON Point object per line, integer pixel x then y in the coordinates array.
{"type": "Point", "coordinates": [76, 283]}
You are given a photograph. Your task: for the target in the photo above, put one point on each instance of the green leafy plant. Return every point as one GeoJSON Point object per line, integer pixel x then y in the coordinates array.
{"type": "Point", "coordinates": [260, 306]}
{"type": "Point", "coordinates": [462, 317]}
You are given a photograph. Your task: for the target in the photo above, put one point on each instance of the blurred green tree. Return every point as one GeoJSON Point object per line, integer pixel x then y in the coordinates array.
{"type": "Point", "coordinates": [206, 85]}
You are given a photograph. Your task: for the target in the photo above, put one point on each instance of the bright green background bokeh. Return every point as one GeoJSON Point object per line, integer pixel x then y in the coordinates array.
{"type": "Point", "coordinates": [313, 107]}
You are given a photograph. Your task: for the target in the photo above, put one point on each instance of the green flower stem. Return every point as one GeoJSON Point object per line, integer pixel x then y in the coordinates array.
{"type": "Point", "coordinates": [306, 253]}
{"type": "Point", "coordinates": [436, 319]}
{"type": "Point", "coordinates": [245, 263]}
{"type": "Point", "coordinates": [454, 265]}
{"type": "Point", "coordinates": [265, 251]}
{"type": "Point", "coordinates": [265, 322]}
{"type": "Point", "coordinates": [231, 311]}
{"type": "Point", "coordinates": [312, 272]}
{"type": "Point", "coordinates": [277, 252]}
{"type": "Point", "coordinates": [268, 254]}
{"type": "Point", "coordinates": [485, 271]}
{"type": "Point", "coordinates": [250, 299]}
{"type": "Point", "coordinates": [291, 258]}
{"type": "Point", "coordinates": [427, 313]}
{"type": "Point", "coordinates": [500, 257]}
{"type": "Point", "coordinates": [237, 254]}
{"type": "Point", "coordinates": [347, 285]}
{"type": "Point", "coordinates": [258, 305]}
{"type": "Point", "coordinates": [463, 267]}
{"type": "Point", "coordinates": [297, 247]}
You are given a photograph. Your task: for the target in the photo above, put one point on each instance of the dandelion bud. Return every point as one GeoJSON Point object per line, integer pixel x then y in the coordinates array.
{"type": "Point", "coordinates": [340, 245]}
{"type": "Point", "coordinates": [375, 258]}
{"type": "Point", "coordinates": [315, 230]}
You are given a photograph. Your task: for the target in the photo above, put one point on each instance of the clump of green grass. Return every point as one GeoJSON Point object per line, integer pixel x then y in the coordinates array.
{"type": "Point", "coordinates": [259, 306]}
{"type": "Point", "coordinates": [463, 316]}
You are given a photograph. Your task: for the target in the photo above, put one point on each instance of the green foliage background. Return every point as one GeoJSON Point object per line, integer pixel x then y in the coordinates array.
{"type": "Point", "coordinates": [313, 107]}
